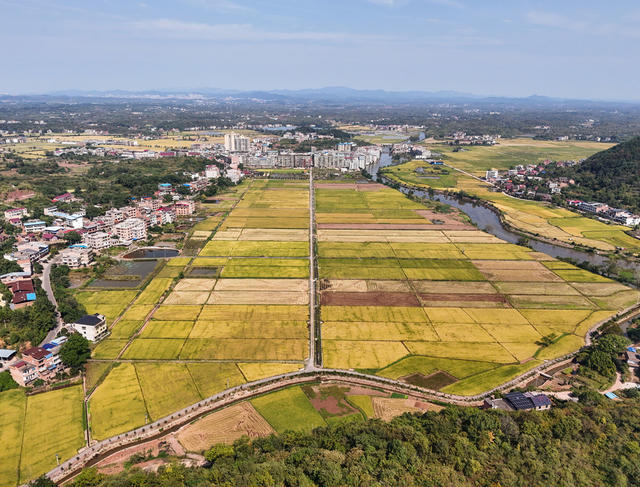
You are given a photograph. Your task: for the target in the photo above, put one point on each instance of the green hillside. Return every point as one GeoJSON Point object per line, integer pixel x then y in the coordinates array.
{"type": "Point", "coordinates": [611, 176]}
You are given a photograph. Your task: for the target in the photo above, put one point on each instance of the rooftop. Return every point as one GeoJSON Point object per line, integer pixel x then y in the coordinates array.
{"type": "Point", "coordinates": [89, 320]}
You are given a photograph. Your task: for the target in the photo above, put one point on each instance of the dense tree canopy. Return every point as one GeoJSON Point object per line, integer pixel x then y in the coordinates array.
{"type": "Point", "coordinates": [571, 445]}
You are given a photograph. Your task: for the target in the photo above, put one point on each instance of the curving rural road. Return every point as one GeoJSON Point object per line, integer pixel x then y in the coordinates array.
{"type": "Point", "coordinates": [46, 285]}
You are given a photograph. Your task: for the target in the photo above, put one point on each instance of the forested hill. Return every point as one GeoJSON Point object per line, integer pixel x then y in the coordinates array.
{"type": "Point", "coordinates": [595, 442]}
{"type": "Point", "coordinates": [611, 176]}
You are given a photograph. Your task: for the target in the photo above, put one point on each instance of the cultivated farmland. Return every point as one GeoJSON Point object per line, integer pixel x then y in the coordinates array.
{"type": "Point", "coordinates": [235, 312]}
{"type": "Point", "coordinates": [448, 308]}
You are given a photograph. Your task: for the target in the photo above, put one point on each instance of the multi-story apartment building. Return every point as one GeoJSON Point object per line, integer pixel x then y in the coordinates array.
{"type": "Point", "coordinates": [15, 213]}
{"type": "Point", "coordinates": [185, 207]}
{"type": "Point", "coordinates": [131, 229]}
{"type": "Point", "coordinates": [236, 143]}
{"type": "Point", "coordinates": [76, 256]}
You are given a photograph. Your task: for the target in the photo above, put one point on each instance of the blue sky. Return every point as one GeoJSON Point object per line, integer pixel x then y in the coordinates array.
{"type": "Point", "coordinates": [577, 49]}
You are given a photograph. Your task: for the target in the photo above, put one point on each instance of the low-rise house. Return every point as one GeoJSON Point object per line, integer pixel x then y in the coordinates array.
{"type": "Point", "coordinates": [23, 372]}
{"type": "Point", "coordinates": [76, 256]}
{"type": "Point", "coordinates": [6, 356]}
{"type": "Point", "coordinates": [519, 401]}
{"type": "Point", "coordinates": [63, 198]}
{"type": "Point", "coordinates": [45, 361]}
{"type": "Point", "coordinates": [92, 327]}
{"type": "Point", "coordinates": [23, 292]}
{"type": "Point", "coordinates": [34, 226]}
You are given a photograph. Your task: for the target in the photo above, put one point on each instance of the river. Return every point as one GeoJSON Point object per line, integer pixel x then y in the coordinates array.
{"type": "Point", "coordinates": [488, 220]}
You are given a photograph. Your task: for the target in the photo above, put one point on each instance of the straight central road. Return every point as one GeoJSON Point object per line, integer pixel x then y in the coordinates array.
{"type": "Point", "coordinates": [310, 365]}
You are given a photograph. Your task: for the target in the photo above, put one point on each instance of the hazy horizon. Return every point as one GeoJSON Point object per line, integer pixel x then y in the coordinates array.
{"type": "Point", "coordinates": [572, 50]}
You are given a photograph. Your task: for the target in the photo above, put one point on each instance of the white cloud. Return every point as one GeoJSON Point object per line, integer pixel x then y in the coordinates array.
{"type": "Point", "coordinates": [447, 3]}
{"type": "Point", "coordinates": [588, 26]}
{"type": "Point", "coordinates": [176, 29]}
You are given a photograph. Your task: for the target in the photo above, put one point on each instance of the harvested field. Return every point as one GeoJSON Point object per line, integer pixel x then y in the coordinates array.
{"type": "Point", "coordinates": [368, 299]}
{"type": "Point", "coordinates": [537, 288]}
{"type": "Point", "coordinates": [256, 312]}
{"type": "Point", "coordinates": [187, 297]}
{"type": "Point", "coordinates": [224, 426]}
{"type": "Point", "coordinates": [195, 285]}
{"type": "Point", "coordinates": [258, 297]}
{"type": "Point", "coordinates": [453, 287]}
{"type": "Point", "coordinates": [496, 298]}
{"type": "Point", "coordinates": [387, 408]}
{"type": "Point", "coordinates": [264, 285]}
{"type": "Point", "coordinates": [599, 289]}
{"type": "Point", "coordinates": [521, 275]}
{"type": "Point", "coordinates": [550, 301]}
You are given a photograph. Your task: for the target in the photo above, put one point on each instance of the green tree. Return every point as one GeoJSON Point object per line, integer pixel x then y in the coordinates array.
{"type": "Point", "coordinates": [75, 351]}
{"type": "Point", "coordinates": [73, 237]}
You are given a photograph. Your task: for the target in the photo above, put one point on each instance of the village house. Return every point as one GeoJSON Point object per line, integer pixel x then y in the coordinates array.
{"type": "Point", "coordinates": [6, 356]}
{"type": "Point", "coordinates": [23, 293]}
{"type": "Point", "coordinates": [519, 401]}
{"type": "Point", "coordinates": [92, 327]}
{"type": "Point", "coordinates": [76, 256]}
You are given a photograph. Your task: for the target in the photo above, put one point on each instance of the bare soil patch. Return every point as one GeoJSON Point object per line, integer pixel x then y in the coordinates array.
{"type": "Point", "coordinates": [435, 381]}
{"type": "Point", "coordinates": [368, 299]}
{"type": "Point", "coordinates": [494, 298]}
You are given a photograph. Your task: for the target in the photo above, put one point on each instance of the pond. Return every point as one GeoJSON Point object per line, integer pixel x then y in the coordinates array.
{"type": "Point", "coordinates": [151, 253]}
{"type": "Point", "coordinates": [126, 274]}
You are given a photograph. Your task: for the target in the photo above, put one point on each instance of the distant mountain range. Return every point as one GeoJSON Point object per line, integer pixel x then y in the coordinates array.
{"type": "Point", "coordinates": [335, 94]}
